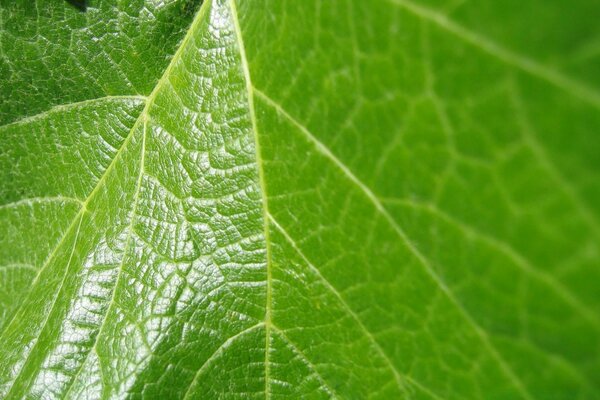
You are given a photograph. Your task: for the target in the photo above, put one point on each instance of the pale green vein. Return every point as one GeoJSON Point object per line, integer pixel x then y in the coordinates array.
{"type": "Point", "coordinates": [397, 377]}
{"type": "Point", "coordinates": [18, 266]}
{"type": "Point", "coordinates": [505, 248]}
{"type": "Point", "coordinates": [132, 220]}
{"type": "Point", "coordinates": [306, 361]}
{"type": "Point", "coordinates": [83, 209]}
{"type": "Point", "coordinates": [70, 106]}
{"type": "Point", "coordinates": [219, 351]}
{"type": "Point", "coordinates": [44, 265]}
{"type": "Point", "coordinates": [530, 136]}
{"type": "Point", "coordinates": [537, 273]}
{"type": "Point", "coordinates": [519, 61]}
{"type": "Point", "coordinates": [263, 188]}
{"type": "Point", "coordinates": [31, 201]}
{"type": "Point", "coordinates": [557, 361]}
{"type": "Point", "coordinates": [144, 118]}
{"type": "Point", "coordinates": [402, 235]}
{"type": "Point", "coordinates": [80, 213]}
{"type": "Point", "coordinates": [49, 313]}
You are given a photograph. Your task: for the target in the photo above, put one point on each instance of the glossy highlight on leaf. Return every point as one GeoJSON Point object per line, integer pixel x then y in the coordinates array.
{"type": "Point", "coordinates": [395, 199]}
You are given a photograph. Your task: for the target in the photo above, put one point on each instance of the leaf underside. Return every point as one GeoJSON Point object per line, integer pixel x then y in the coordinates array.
{"type": "Point", "coordinates": [256, 198]}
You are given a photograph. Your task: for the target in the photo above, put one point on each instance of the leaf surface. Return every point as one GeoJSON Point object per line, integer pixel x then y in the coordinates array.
{"type": "Point", "coordinates": [347, 199]}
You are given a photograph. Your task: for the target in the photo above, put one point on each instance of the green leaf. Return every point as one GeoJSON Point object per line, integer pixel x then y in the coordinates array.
{"type": "Point", "coordinates": [344, 199]}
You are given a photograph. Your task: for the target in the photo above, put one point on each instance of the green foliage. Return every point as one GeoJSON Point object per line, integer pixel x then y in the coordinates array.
{"type": "Point", "coordinates": [316, 199]}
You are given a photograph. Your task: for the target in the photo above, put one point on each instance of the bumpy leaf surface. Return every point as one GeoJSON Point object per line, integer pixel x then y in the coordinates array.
{"type": "Point", "coordinates": [316, 199]}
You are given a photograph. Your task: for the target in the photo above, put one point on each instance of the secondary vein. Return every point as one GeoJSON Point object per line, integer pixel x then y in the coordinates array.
{"type": "Point", "coordinates": [67, 106]}
{"type": "Point", "coordinates": [519, 61]}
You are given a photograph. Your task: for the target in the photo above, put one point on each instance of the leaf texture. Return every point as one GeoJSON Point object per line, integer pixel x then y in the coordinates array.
{"type": "Point", "coordinates": [279, 199]}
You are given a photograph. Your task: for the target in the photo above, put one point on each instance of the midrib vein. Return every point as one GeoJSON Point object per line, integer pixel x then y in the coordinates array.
{"type": "Point", "coordinates": [79, 216]}
{"type": "Point", "coordinates": [263, 188]}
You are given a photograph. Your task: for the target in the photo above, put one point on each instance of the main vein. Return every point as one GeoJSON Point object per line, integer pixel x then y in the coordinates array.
{"type": "Point", "coordinates": [263, 186]}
